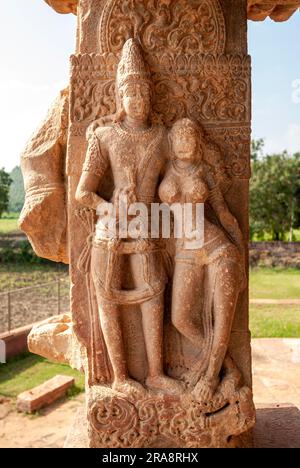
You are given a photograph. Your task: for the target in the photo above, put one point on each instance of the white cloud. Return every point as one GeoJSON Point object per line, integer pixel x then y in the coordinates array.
{"type": "Point", "coordinates": [296, 92]}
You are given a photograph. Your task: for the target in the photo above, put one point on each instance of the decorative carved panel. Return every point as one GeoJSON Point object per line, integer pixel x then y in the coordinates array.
{"type": "Point", "coordinates": [258, 10]}
{"type": "Point", "coordinates": [175, 25]}
{"type": "Point", "coordinates": [213, 90]}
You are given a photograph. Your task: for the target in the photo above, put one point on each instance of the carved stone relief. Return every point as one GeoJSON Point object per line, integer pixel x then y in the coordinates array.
{"type": "Point", "coordinates": [184, 26]}
{"type": "Point", "coordinates": [160, 112]}
{"type": "Point", "coordinates": [43, 166]}
{"type": "Point", "coordinates": [213, 90]}
{"type": "Point", "coordinates": [215, 271]}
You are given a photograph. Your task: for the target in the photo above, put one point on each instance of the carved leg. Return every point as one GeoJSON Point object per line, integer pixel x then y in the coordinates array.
{"type": "Point", "coordinates": [152, 315]}
{"type": "Point", "coordinates": [187, 292]}
{"type": "Point", "coordinates": [225, 299]}
{"type": "Point", "coordinates": [111, 326]}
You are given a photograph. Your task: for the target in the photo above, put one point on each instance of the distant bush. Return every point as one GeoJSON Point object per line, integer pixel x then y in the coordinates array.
{"type": "Point", "coordinates": [19, 252]}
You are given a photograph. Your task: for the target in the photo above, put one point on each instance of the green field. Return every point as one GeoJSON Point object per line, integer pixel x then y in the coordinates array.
{"type": "Point", "coordinates": [274, 283]}
{"type": "Point", "coordinates": [28, 371]}
{"type": "Point", "coordinates": [20, 276]}
{"type": "Point", "coordinates": [9, 223]}
{"type": "Point", "coordinates": [275, 321]}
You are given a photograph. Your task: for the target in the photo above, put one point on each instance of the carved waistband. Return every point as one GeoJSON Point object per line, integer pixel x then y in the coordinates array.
{"type": "Point", "coordinates": [121, 247]}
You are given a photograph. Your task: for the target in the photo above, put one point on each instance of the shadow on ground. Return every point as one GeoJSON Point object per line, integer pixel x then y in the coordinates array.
{"type": "Point", "coordinates": [278, 426]}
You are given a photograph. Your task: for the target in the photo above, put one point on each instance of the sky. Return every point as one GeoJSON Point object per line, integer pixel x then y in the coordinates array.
{"type": "Point", "coordinates": [36, 43]}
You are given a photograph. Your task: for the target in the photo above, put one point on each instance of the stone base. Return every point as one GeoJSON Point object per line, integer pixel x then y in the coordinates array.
{"type": "Point", "coordinates": [78, 436]}
{"type": "Point", "coordinates": [277, 426]}
{"type": "Point", "coordinates": [156, 420]}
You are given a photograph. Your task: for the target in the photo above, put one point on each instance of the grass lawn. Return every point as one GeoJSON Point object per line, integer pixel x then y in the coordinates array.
{"type": "Point", "coordinates": [23, 373]}
{"type": "Point", "coordinates": [274, 283]}
{"type": "Point", "coordinates": [275, 321]}
{"type": "Point", "coordinates": [8, 225]}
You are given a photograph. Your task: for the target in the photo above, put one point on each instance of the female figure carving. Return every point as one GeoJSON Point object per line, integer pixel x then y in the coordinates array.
{"type": "Point", "coordinates": [208, 278]}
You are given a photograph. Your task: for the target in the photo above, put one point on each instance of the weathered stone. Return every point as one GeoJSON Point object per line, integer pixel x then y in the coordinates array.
{"type": "Point", "coordinates": [55, 340]}
{"type": "Point", "coordinates": [258, 10]}
{"type": "Point", "coordinates": [45, 394]}
{"type": "Point", "coordinates": [44, 215]}
{"type": "Point", "coordinates": [161, 420]}
{"type": "Point", "coordinates": [278, 426]}
{"type": "Point", "coordinates": [64, 6]}
{"type": "Point", "coordinates": [164, 116]}
{"type": "Point", "coordinates": [277, 10]}
{"type": "Point", "coordinates": [159, 111]}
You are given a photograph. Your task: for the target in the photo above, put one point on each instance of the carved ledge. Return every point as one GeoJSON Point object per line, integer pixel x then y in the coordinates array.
{"type": "Point", "coordinates": [258, 10]}
{"type": "Point", "coordinates": [277, 10]}
{"type": "Point", "coordinates": [64, 6]}
{"type": "Point", "coordinates": [54, 339]}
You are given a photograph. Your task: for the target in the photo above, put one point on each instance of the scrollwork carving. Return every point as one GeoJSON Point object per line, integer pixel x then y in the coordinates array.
{"type": "Point", "coordinates": [115, 418]}
{"type": "Point", "coordinates": [186, 25]}
{"type": "Point", "coordinates": [182, 421]}
{"type": "Point", "coordinates": [235, 144]}
{"type": "Point", "coordinates": [206, 88]}
{"type": "Point", "coordinates": [212, 90]}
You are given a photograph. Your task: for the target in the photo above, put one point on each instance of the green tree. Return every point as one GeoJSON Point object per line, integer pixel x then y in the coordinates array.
{"type": "Point", "coordinates": [297, 214]}
{"type": "Point", "coordinates": [257, 148]}
{"type": "Point", "coordinates": [16, 191]}
{"type": "Point", "coordinates": [274, 195]}
{"type": "Point", "coordinates": [5, 182]}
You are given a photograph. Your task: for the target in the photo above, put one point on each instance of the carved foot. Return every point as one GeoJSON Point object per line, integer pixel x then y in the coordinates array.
{"type": "Point", "coordinates": [129, 387]}
{"type": "Point", "coordinates": [165, 384]}
{"type": "Point", "coordinates": [205, 389]}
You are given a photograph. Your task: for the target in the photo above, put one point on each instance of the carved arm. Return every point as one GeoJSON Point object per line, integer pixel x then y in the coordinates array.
{"type": "Point", "coordinates": [94, 169]}
{"type": "Point", "coordinates": [86, 192]}
{"type": "Point", "coordinates": [226, 218]}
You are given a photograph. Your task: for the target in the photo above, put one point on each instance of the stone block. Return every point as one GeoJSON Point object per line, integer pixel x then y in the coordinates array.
{"type": "Point", "coordinates": [45, 394]}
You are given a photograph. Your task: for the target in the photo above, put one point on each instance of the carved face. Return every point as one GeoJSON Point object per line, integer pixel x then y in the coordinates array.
{"type": "Point", "coordinates": [136, 98]}
{"type": "Point", "coordinates": [185, 146]}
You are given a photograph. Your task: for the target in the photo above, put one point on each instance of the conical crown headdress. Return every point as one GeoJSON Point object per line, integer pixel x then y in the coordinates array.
{"type": "Point", "coordinates": [132, 64]}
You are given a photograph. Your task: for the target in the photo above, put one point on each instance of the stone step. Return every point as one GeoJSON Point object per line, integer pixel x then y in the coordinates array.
{"type": "Point", "coordinates": [45, 394]}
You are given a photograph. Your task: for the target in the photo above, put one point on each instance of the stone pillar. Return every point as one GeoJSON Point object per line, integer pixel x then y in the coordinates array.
{"type": "Point", "coordinates": [197, 53]}
{"type": "Point", "coordinates": [194, 53]}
